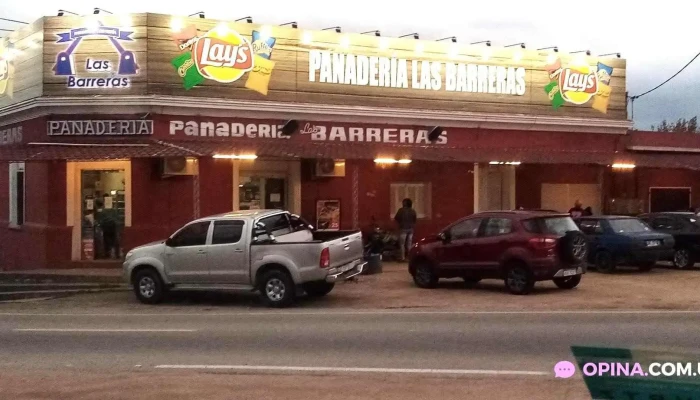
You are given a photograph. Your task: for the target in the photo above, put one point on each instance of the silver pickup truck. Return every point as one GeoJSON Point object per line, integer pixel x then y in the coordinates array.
{"type": "Point", "coordinates": [271, 251]}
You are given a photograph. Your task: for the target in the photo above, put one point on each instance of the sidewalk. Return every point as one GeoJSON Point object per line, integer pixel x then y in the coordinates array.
{"type": "Point", "coordinates": [78, 275]}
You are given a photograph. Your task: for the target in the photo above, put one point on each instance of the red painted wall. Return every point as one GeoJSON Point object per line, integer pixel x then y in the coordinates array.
{"type": "Point", "coordinates": [452, 192]}
{"type": "Point", "coordinates": [159, 205]}
{"type": "Point", "coordinates": [44, 238]}
{"type": "Point", "coordinates": [215, 186]}
{"type": "Point", "coordinates": [530, 177]}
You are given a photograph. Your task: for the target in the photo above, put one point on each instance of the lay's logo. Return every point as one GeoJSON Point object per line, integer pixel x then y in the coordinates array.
{"type": "Point", "coordinates": [578, 83]}
{"type": "Point", "coordinates": [223, 57]}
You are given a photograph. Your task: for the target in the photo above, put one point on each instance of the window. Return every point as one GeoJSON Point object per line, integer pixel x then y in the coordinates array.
{"type": "Point", "coordinates": [419, 193]}
{"type": "Point", "coordinates": [16, 194]}
{"type": "Point", "coordinates": [298, 223]}
{"type": "Point", "coordinates": [227, 232]}
{"type": "Point", "coordinates": [277, 224]}
{"type": "Point", "coordinates": [550, 225]}
{"type": "Point", "coordinates": [466, 229]}
{"type": "Point", "coordinates": [591, 227]}
{"type": "Point", "coordinates": [664, 224]}
{"type": "Point", "coordinates": [192, 235]}
{"type": "Point", "coordinates": [498, 226]}
{"type": "Point", "coordinates": [628, 225]}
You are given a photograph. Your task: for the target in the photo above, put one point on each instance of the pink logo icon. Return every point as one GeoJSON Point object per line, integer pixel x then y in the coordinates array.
{"type": "Point", "coordinates": [564, 369]}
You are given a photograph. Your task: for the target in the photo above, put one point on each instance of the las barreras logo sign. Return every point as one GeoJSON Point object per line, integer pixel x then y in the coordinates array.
{"type": "Point", "coordinates": [349, 69]}
{"type": "Point", "coordinates": [105, 74]}
{"type": "Point", "coordinates": [318, 132]}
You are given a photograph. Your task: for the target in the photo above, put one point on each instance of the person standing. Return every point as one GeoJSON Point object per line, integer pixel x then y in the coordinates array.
{"type": "Point", "coordinates": [577, 211]}
{"type": "Point", "coordinates": [406, 219]}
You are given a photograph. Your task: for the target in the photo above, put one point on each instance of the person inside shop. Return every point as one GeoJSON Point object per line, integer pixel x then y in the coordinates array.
{"type": "Point", "coordinates": [107, 220]}
{"type": "Point", "coordinates": [577, 210]}
{"type": "Point", "coordinates": [406, 219]}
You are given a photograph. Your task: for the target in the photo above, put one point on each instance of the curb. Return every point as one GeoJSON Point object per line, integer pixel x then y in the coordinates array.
{"type": "Point", "coordinates": [8, 296]}
{"type": "Point", "coordinates": [30, 278]}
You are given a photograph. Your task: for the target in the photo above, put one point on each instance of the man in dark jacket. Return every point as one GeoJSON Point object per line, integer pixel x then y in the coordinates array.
{"type": "Point", "coordinates": [406, 219]}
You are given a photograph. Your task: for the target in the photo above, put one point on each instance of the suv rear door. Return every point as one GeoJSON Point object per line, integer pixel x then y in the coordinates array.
{"type": "Point", "coordinates": [493, 241]}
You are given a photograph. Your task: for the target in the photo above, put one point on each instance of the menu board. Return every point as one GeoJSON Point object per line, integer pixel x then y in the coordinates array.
{"type": "Point", "coordinates": [328, 215]}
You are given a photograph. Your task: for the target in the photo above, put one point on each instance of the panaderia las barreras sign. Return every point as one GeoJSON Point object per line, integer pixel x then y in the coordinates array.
{"type": "Point", "coordinates": [314, 131]}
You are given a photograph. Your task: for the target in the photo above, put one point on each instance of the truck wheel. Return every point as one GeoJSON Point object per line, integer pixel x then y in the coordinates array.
{"type": "Point", "coordinates": [604, 262]}
{"type": "Point", "coordinates": [683, 259]}
{"type": "Point", "coordinates": [318, 289]}
{"type": "Point", "coordinates": [519, 280]}
{"type": "Point", "coordinates": [569, 282]}
{"type": "Point", "coordinates": [277, 289]}
{"type": "Point", "coordinates": [148, 286]}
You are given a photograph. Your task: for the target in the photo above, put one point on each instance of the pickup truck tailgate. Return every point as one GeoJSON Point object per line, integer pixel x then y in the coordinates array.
{"type": "Point", "coordinates": [345, 249]}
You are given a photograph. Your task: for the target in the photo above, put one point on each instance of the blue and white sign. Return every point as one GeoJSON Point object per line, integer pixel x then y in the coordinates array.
{"type": "Point", "coordinates": [112, 76]}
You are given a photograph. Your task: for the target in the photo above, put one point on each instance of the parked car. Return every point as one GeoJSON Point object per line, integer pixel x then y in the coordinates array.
{"type": "Point", "coordinates": [685, 229]}
{"type": "Point", "coordinates": [618, 240]}
{"type": "Point", "coordinates": [270, 251]}
{"type": "Point", "coordinates": [520, 247]}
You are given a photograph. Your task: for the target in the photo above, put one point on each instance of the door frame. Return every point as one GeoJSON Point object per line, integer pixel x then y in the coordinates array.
{"type": "Point", "coordinates": [74, 216]}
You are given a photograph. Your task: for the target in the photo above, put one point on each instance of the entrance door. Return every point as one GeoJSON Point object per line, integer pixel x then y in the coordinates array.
{"type": "Point", "coordinates": [496, 187]}
{"type": "Point", "coordinates": [274, 193]}
{"type": "Point", "coordinates": [103, 209]}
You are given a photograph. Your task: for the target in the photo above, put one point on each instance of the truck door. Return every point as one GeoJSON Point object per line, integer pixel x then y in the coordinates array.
{"type": "Point", "coordinates": [228, 253]}
{"type": "Point", "coordinates": [186, 254]}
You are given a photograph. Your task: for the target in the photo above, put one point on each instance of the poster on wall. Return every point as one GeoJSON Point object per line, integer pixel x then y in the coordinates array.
{"type": "Point", "coordinates": [328, 215]}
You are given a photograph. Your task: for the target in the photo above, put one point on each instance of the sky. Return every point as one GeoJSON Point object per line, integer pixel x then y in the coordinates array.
{"type": "Point", "coordinates": [654, 40]}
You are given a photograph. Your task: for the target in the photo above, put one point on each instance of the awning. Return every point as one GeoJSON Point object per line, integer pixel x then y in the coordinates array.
{"type": "Point", "coordinates": [287, 148]}
{"type": "Point", "coordinates": [105, 149]}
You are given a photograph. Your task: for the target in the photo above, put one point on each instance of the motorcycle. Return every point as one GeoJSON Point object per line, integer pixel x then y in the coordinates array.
{"type": "Point", "coordinates": [379, 241]}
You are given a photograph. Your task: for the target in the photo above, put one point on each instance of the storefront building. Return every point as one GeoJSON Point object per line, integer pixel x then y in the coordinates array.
{"type": "Point", "coordinates": [115, 131]}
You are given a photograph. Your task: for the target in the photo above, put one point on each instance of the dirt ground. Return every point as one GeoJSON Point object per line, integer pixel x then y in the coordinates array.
{"type": "Point", "coordinates": [79, 385]}
{"type": "Point", "coordinates": [628, 289]}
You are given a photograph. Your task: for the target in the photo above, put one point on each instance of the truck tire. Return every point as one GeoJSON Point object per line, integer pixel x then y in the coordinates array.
{"type": "Point", "coordinates": [573, 247]}
{"type": "Point", "coordinates": [318, 289]}
{"type": "Point", "coordinates": [148, 286]}
{"type": "Point", "coordinates": [277, 289]}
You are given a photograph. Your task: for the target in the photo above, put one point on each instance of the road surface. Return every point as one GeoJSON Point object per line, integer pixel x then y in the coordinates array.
{"type": "Point", "coordinates": [459, 346]}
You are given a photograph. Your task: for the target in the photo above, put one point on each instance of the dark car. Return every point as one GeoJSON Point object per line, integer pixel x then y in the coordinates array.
{"type": "Point", "coordinates": [685, 229]}
{"type": "Point", "coordinates": [520, 247]}
{"type": "Point", "coordinates": [618, 240]}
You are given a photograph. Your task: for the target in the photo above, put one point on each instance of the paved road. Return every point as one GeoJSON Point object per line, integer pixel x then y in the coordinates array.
{"type": "Point", "coordinates": [527, 342]}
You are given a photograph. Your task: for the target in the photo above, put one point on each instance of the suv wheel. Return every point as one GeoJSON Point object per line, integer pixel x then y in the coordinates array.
{"type": "Point", "coordinates": [318, 289]}
{"type": "Point", "coordinates": [148, 286]}
{"type": "Point", "coordinates": [682, 259]}
{"type": "Point", "coordinates": [424, 276]}
{"type": "Point", "coordinates": [569, 282]}
{"type": "Point", "coordinates": [519, 280]}
{"type": "Point", "coordinates": [604, 262]}
{"type": "Point", "coordinates": [277, 289]}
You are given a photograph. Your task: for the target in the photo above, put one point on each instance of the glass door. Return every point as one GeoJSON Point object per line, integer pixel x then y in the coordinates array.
{"type": "Point", "coordinates": [257, 193]}
{"type": "Point", "coordinates": [103, 209]}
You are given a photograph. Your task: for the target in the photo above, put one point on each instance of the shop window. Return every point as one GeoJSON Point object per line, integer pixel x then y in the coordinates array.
{"type": "Point", "coordinates": [227, 232]}
{"type": "Point", "coordinates": [16, 194]}
{"type": "Point", "coordinates": [419, 193]}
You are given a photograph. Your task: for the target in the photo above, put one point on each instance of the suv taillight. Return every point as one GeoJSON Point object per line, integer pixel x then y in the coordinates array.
{"type": "Point", "coordinates": [325, 260]}
{"type": "Point", "coordinates": [543, 243]}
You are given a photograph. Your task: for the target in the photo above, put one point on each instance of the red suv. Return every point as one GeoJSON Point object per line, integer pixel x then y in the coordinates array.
{"type": "Point", "coordinates": [520, 247]}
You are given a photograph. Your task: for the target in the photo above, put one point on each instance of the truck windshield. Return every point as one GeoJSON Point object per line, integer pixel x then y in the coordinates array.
{"type": "Point", "coordinates": [628, 225]}
{"type": "Point", "coordinates": [550, 225]}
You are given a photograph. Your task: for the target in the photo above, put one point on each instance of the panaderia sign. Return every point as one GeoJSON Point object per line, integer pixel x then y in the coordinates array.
{"type": "Point", "coordinates": [314, 131]}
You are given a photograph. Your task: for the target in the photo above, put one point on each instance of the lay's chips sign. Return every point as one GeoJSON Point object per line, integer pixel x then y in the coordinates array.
{"type": "Point", "coordinates": [224, 56]}
{"type": "Point", "coordinates": [578, 83]}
